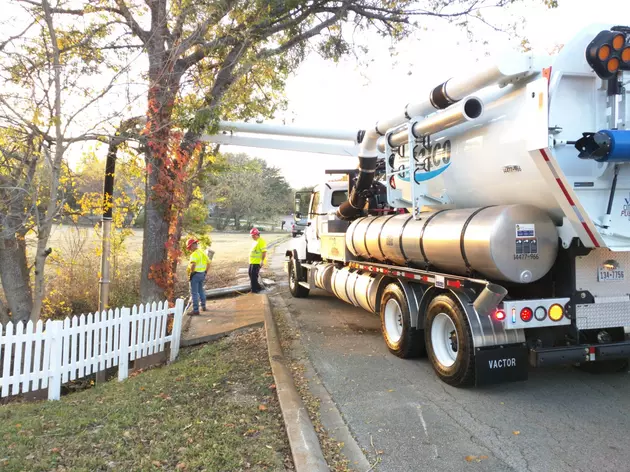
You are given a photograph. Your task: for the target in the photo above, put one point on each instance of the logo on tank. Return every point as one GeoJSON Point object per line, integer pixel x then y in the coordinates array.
{"type": "Point", "coordinates": [430, 160]}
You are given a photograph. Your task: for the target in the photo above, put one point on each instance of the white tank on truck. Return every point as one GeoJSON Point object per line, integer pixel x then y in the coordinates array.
{"type": "Point", "coordinates": [487, 223]}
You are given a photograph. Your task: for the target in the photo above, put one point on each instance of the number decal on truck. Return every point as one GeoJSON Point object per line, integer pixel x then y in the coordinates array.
{"type": "Point", "coordinates": [526, 256]}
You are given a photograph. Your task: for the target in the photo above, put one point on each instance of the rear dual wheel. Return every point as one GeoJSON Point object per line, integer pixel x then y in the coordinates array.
{"type": "Point", "coordinates": [449, 342]}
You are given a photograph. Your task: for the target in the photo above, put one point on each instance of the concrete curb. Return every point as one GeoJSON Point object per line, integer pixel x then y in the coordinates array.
{"type": "Point", "coordinates": [331, 417]}
{"type": "Point", "coordinates": [305, 447]}
{"type": "Point", "coordinates": [213, 337]}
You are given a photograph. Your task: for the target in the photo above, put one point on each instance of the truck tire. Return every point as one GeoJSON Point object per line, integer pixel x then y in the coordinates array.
{"type": "Point", "coordinates": [449, 342]}
{"type": "Point", "coordinates": [401, 338]}
{"type": "Point", "coordinates": [294, 287]}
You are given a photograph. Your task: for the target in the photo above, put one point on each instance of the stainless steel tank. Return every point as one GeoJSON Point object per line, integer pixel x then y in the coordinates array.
{"type": "Point", "coordinates": [354, 287]}
{"type": "Point", "coordinates": [517, 243]}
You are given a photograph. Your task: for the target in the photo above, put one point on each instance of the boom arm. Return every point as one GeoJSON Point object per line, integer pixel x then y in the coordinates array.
{"type": "Point", "coordinates": [338, 148]}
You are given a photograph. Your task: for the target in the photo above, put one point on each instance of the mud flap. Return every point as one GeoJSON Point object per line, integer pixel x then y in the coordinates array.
{"type": "Point", "coordinates": [501, 364]}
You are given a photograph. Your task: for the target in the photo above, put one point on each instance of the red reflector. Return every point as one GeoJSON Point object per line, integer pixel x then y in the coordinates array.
{"type": "Point", "coordinates": [409, 275]}
{"type": "Point", "coordinates": [425, 278]}
{"type": "Point", "coordinates": [591, 350]}
{"type": "Point", "coordinates": [499, 315]}
{"type": "Point", "coordinates": [526, 314]}
{"type": "Point", "coordinates": [454, 283]}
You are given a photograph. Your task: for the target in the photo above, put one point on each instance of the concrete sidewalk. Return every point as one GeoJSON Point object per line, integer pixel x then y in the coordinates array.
{"type": "Point", "coordinates": [223, 316]}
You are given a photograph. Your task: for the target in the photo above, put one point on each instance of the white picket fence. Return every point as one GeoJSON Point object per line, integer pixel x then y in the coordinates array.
{"type": "Point", "coordinates": [41, 355]}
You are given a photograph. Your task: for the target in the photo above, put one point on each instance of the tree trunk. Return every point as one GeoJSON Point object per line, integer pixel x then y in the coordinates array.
{"type": "Point", "coordinates": [189, 187]}
{"type": "Point", "coordinates": [15, 280]}
{"type": "Point", "coordinates": [155, 274]}
{"type": "Point", "coordinates": [4, 314]}
{"type": "Point", "coordinates": [154, 239]}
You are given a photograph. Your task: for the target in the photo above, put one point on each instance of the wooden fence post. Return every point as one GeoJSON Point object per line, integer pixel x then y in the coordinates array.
{"type": "Point", "coordinates": [56, 360]}
{"type": "Point", "coordinates": [177, 328]}
{"type": "Point", "coordinates": [123, 338]}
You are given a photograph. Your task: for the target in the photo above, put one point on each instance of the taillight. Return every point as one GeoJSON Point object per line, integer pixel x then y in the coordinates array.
{"type": "Point", "coordinates": [556, 312]}
{"type": "Point", "coordinates": [540, 313]}
{"type": "Point", "coordinates": [499, 315]}
{"type": "Point", "coordinates": [526, 314]}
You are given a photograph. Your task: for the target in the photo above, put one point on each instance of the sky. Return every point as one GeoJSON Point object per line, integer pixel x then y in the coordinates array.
{"type": "Point", "coordinates": [349, 95]}
{"type": "Point", "coordinates": [322, 94]}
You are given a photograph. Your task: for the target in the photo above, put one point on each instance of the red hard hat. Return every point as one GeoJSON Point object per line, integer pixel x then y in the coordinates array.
{"type": "Point", "coordinates": [254, 231]}
{"type": "Point", "coordinates": [190, 242]}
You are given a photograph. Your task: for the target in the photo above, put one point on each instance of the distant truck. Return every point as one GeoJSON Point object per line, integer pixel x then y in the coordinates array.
{"type": "Point", "coordinates": [298, 227]}
{"type": "Point", "coordinates": [488, 223]}
{"type": "Point", "coordinates": [300, 216]}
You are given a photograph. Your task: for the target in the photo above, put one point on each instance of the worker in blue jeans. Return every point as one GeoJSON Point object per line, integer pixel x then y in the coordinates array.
{"type": "Point", "coordinates": [197, 270]}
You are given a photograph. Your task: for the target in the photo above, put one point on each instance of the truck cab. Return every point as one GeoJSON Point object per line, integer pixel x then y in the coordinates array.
{"type": "Point", "coordinates": [316, 208]}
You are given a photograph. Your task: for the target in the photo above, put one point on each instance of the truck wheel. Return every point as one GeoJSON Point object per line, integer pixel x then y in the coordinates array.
{"type": "Point", "coordinates": [449, 342]}
{"type": "Point", "coordinates": [295, 288]}
{"type": "Point", "coordinates": [401, 338]}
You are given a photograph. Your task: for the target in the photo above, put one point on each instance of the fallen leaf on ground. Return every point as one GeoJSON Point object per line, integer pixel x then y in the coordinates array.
{"type": "Point", "coordinates": [516, 433]}
{"type": "Point", "coordinates": [181, 466]}
{"type": "Point", "coordinates": [262, 407]}
{"type": "Point", "coordinates": [475, 458]}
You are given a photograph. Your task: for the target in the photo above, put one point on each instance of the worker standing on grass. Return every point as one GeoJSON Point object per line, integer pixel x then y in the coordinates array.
{"type": "Point", "coordinates": [197, 269]}
{"type": "Point", "coordinates": [257, 257]}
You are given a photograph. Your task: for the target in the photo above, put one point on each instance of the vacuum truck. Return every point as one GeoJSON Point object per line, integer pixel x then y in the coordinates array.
{"type": "Point", "coordinates": [487, 223]}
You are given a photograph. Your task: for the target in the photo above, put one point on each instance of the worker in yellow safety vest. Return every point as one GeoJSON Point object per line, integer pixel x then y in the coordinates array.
{"type": "Point", "coordinates": [257, 257]}
{"type": "Point", "coordinates": [197, 269]}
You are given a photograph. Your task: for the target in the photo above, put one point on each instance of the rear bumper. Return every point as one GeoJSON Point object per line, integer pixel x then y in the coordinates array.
{"type": "Point", "coordinates": [583, 353]}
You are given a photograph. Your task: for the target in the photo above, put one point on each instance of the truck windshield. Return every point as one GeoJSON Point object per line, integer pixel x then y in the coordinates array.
{"type": "Point", "coordinates": [338, 197]}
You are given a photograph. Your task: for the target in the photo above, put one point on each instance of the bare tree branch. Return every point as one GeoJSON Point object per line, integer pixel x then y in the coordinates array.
{"type": "Point", "coordinates": [132, 23]}
{"type": "Point", "coordinates": [13, 38]}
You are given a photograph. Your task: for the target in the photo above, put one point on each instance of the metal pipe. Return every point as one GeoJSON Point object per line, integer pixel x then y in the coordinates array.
{"type": "Point", "coordinates": [347, 148]}
{"type": "Point", "coordinates": [367, 166]}
{"type": "Point", "coordinates": [217, 292]}
{"type": "Point", "coordinates": [504, 69]}
{"type": "Point", "coordinates": [441, 97]}
{"type": "Point", "coordinates": [468, 109]}
{"type": "Point", "coordinates": [260, 128]}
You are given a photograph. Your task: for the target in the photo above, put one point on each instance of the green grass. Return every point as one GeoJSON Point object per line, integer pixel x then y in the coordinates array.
{"type": "Point", "coordinates": [215, 409]}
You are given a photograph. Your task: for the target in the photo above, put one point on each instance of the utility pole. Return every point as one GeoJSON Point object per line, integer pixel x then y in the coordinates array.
{"type": "Point", "coordinates": [115, 141]}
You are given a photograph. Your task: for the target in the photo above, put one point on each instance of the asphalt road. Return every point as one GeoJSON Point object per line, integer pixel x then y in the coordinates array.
{"type": "Point", "coordinates": [560, 420]}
